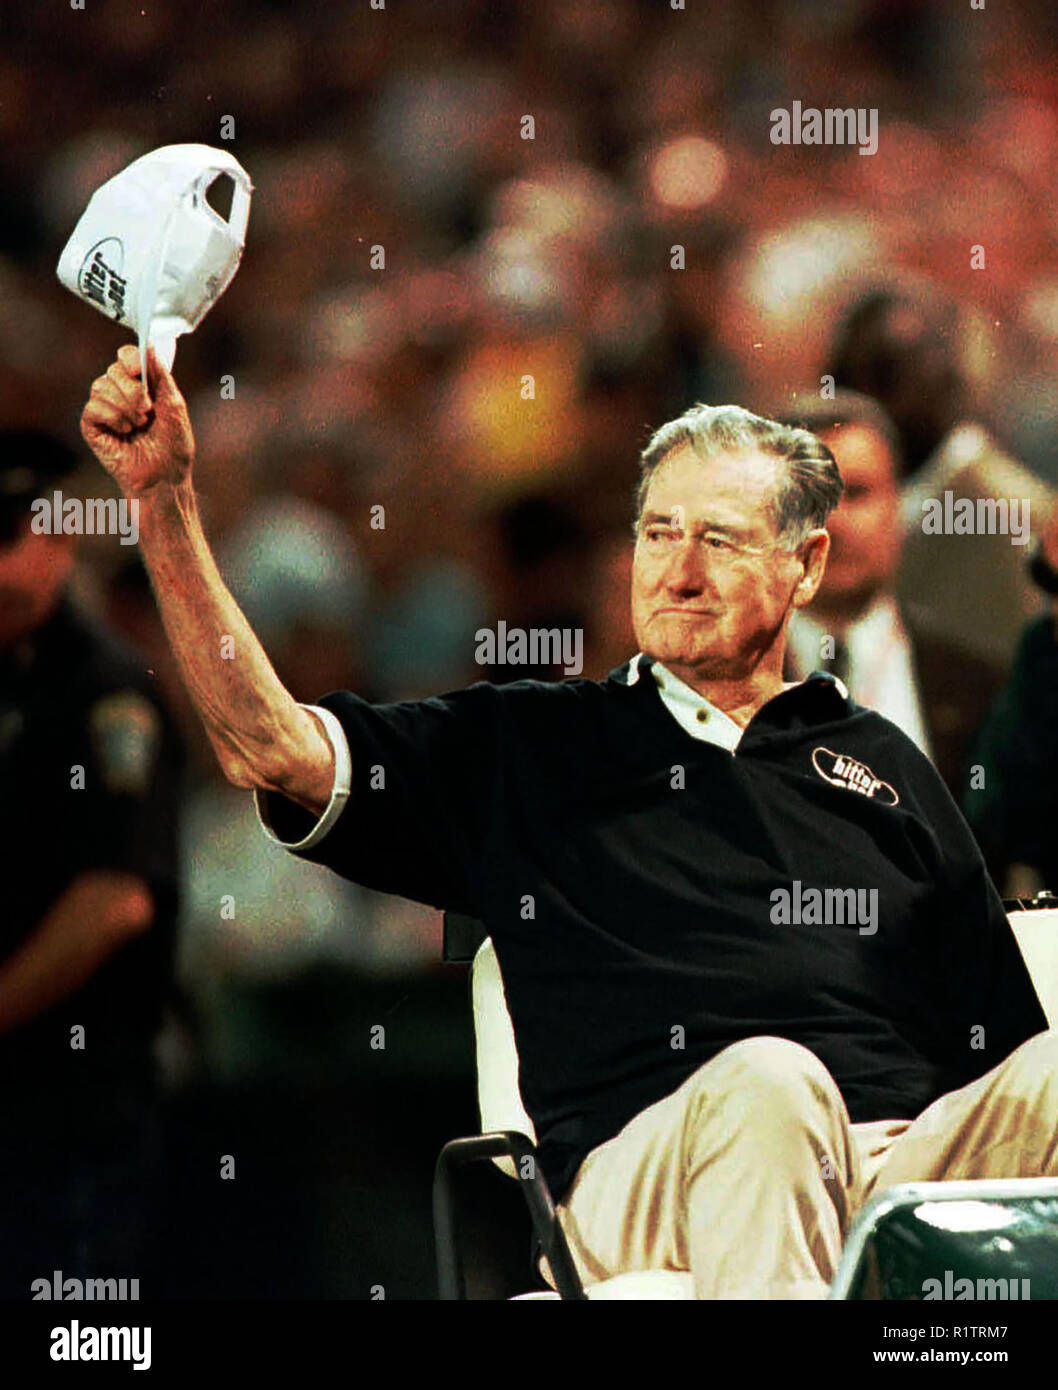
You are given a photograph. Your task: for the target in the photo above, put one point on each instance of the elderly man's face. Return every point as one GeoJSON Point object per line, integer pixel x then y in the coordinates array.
{"type": "Point", "coordinates": [710, 587]}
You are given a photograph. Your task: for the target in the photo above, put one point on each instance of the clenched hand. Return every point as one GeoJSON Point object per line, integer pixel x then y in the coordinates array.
{"type": "Point", "coordinates": [138, 442]}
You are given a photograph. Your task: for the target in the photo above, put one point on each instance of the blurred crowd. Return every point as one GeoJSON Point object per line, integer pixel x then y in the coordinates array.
{"type": "Point", "coordinates": [647, 248]}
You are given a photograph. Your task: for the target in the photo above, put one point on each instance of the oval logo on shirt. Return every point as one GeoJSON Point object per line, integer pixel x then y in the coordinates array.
{"type": "Point", "coordinates": [842, 771]}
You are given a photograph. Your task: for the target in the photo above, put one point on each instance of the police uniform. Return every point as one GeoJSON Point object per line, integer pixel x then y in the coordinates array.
{"type": "Point", "coordinates": [89, 779]}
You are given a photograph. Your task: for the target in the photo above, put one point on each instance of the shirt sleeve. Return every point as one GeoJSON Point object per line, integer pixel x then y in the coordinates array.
{"type": "Point", "coordinates": [992, 1003]}
{"type": "Point", "coordinates": [420, 800]}
{"type": "Point", "coordinates": [339, 790]}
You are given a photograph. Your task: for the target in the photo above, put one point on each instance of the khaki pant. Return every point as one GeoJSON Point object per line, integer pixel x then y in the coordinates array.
{"type": "Point", "coordinates": [749, 1174]}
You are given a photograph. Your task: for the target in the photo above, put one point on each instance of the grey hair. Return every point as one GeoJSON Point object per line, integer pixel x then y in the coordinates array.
{"type": "Point", "coordinates": [811, 487]}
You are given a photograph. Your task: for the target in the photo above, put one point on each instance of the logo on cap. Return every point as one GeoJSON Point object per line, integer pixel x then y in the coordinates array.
{"type": "Point", "coordinates": [100, 277]}
{"type": "Point", "coordinates": [842, 771]}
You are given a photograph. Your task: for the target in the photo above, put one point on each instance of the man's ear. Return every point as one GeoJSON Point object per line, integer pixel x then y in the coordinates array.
{"type": "Point", "coordinates": [813, 562]}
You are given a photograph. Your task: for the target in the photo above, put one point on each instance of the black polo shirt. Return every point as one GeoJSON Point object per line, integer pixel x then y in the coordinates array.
{"type": "Point", "coordinates": [625, 872]}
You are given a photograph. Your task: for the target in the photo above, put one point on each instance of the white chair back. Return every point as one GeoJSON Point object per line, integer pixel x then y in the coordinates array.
{"type": "Point", "coordinates": [1036, 932]}
{"type": "Point", "coordinates": [499, 1096]}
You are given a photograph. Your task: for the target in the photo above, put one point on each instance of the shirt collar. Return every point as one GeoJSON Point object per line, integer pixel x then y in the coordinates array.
{"type": "Point", "coordinates": [871, 631]}
{"type": "Point", "coordinates": [695, 714]}
{"type": "Point", "coordinates": [879, 625]}
{"type": "Point", "coordinates": [819, 697]}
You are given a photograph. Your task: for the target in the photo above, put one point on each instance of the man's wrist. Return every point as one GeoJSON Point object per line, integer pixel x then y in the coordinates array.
{"type": "Point", "coordinates": [166, 503]}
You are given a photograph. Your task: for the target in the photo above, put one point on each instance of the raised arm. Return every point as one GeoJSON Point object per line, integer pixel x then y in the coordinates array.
{"type": "Point", "coordinates": [262, 737]}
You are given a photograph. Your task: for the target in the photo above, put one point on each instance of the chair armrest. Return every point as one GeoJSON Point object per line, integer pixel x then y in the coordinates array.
{"type": "Point", "coordinates": [546, 1226]}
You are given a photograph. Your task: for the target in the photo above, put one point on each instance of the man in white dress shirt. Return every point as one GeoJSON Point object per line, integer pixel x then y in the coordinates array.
{"type": "Point", "coordinates": [933, 689]}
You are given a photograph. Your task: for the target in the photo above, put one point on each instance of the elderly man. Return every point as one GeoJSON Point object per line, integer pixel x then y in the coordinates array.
{"type": "Point", "coordinates": [752, 957]}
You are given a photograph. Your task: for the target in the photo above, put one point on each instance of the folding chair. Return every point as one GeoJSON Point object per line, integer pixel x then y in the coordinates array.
{"type": "Point", "coordinates": [508, 1137]}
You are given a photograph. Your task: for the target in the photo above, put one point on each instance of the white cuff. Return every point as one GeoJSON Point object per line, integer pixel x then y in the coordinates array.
{"type": "Point", "coordinates": [343, 770]}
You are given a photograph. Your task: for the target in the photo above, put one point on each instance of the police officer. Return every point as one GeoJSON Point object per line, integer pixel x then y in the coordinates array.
{"type": "Point", "coordinates": [89, 772]}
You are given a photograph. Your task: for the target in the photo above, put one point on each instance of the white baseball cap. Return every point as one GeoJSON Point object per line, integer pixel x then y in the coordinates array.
{"type": "Point", "coordinates": [150, 252]}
